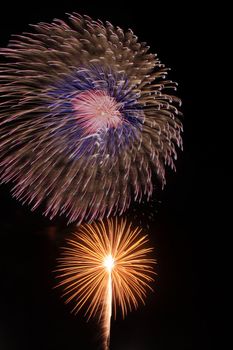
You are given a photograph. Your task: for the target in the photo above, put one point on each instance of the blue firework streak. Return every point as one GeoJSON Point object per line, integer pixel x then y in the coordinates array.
{"type": "Point", "coordinates": [111, 140]}
{"type": "Point", "coordinates": [86, 118]}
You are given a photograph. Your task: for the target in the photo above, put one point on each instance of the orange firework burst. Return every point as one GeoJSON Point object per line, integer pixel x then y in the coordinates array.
{"type": "Point", "coordinates": [104, 266]}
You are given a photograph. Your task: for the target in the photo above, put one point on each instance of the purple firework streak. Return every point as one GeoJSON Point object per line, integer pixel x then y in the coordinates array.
{"type": "Point", "coordinates": [86, 118]}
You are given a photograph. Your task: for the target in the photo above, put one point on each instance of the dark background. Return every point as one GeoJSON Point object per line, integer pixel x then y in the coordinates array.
{"type": "Point", "coordinates": [182, 220]}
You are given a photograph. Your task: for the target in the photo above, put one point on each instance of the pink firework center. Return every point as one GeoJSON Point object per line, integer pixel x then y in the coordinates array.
{"type": "Point", "coordinates": [97, 110]}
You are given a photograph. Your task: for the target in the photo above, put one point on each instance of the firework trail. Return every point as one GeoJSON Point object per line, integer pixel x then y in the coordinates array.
{"type": "Point", "coordinates": [104, 266]}
{"type": "Point", "coordinates": [86, 117]}
{"type": "Point", "coordinates": [108, 264]}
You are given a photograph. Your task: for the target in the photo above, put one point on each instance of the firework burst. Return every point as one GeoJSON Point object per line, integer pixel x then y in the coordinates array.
{"type": "Point", "coordinates": [105, 266]}
{"type": "Point", "coordinates": [86, 117]}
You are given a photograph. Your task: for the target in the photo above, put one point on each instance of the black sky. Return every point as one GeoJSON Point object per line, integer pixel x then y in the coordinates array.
{"type": "Point", "coordinates": [181, 221]}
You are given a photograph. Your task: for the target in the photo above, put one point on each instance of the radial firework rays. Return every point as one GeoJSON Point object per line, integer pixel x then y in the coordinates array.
{"type": "Point", "coordinates": [86, 117]}
{"type": "Point", "coordinates": [105, 265]}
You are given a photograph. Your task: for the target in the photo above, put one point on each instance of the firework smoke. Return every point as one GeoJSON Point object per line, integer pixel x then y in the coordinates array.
{"type": "Point", "coordinates": [105, 266]}
{"type": "Point", "coordinates": [86, 117]}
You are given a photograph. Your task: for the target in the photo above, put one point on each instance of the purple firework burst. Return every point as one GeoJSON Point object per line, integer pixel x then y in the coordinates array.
{"type": "Point", "coordinates": [86, 117]}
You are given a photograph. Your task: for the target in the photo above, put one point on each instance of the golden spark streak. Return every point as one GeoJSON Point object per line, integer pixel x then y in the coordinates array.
{"type": "Point", "coordinates": [105, 265]}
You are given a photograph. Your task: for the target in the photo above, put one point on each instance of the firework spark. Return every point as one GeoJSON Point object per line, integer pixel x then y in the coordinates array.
{"type": "Point", "coordinates": [86, 117]}
{"type": "Point", "coordinates": [105, 266]}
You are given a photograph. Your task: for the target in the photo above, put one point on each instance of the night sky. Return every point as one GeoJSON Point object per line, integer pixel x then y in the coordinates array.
{"type": "Point", "coordinates": [181, 220]}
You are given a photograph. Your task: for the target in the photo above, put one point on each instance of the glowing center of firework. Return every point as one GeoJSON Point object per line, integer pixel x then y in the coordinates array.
{"type": "Point", "coordinates": [96, 110]}
{"type": "Point", "coordinates": [109, 263]}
